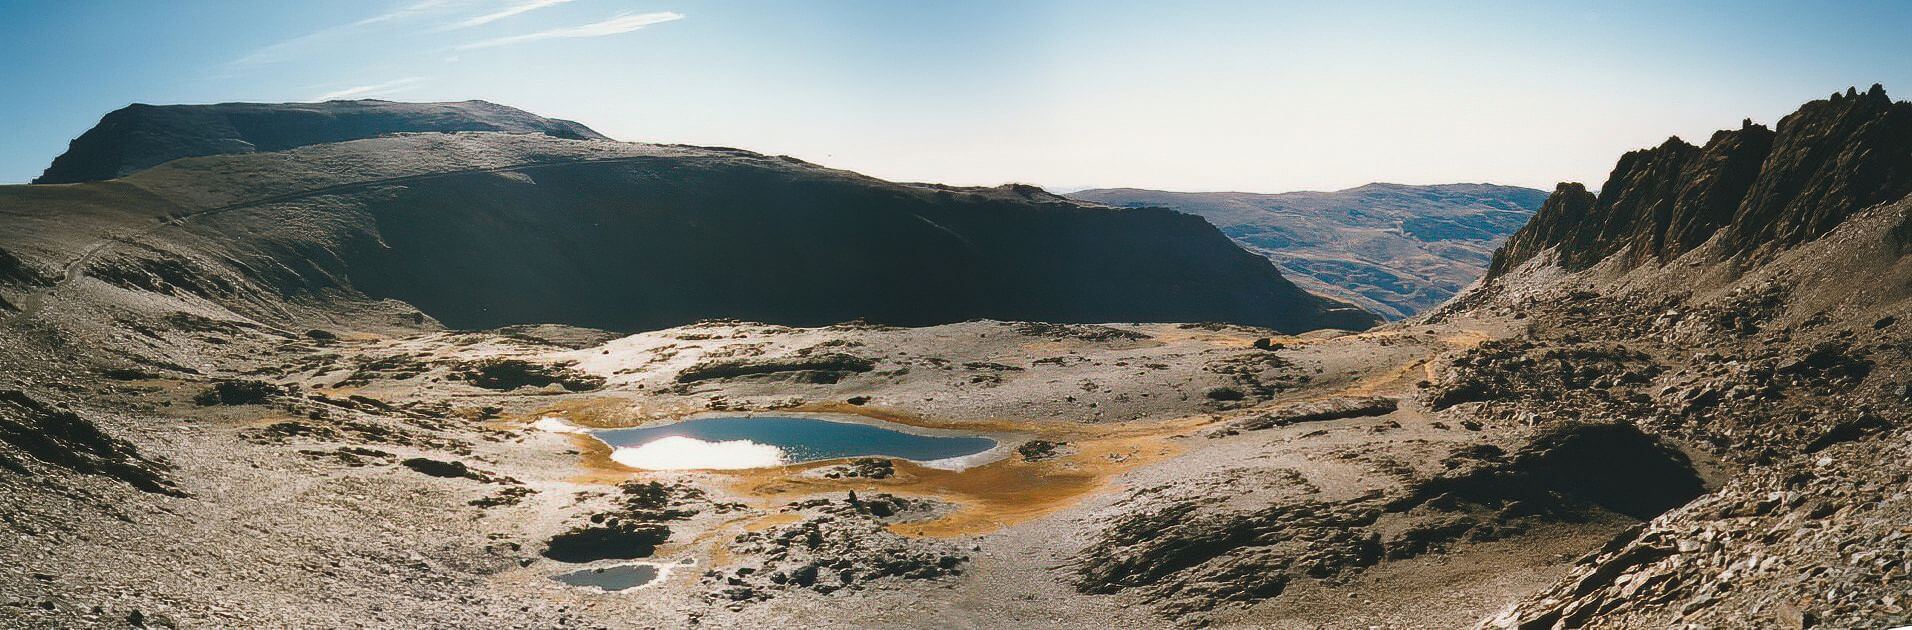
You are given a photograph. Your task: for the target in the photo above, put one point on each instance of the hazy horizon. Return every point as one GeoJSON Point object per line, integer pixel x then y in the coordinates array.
{"type": "Point", "coordinates": [1068, 95]}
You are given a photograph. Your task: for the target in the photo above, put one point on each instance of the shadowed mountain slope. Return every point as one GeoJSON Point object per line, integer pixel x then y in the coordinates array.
{"type": "Point", "coordinates": [142, 136]}
{"type": "Point", "coordinates": [478, 230]}
{"type": "Point", "coordinates": [1390, 248]}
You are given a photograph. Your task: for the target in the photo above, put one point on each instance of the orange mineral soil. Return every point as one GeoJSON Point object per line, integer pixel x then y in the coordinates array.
{"type": "Point", "coordinates": [987, 497]}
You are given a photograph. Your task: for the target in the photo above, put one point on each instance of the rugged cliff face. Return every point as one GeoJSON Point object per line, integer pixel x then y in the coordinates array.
{"type": "Point", "coordinates": [1563, 219]}
{"type": "Point", "coordinates": [1758, 190]}
{"type": "Point", "coordinates": [142, 136]}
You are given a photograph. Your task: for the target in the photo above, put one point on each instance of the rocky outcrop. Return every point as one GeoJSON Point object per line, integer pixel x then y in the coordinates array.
{"type": "Point", "coordinates": [1313, 411]}
{"type": "Point", "coordinates": [828, 367]}
{"type": "Point", "coordinates": [141, 136]}
{"type": "Point", "coordinates": [240, 392]}
{"type": "Point", "coordinates": [1829, 159]}
{"type": "Point", "coordinates": [13, 271]}
{"type": "Point", "coordinates": [1818, 542]}
{"type": "Point", "coordinates": [611, 540]}
{"type": "Point", "coordinates": [451, 469]}
{"type": "Point", "coordinates": [839, 545]}
{"type": "Point", "coordinates": [1567, 469]}
{"type": "Point", "coordinates": [1187, 553]}
{"type": "Point", "coordinates": [1560, 222]}
{"type": "Point", "coordinates": [1788, 372]}
{"type": "Point", "coordinates": [1186, 559]}
{"type": "Point", "coordinates": [508, 374]}
{"type": "Point", "coordinates": [1758, 190]}
{"type": "Point", "coordinates": [636, 523]}
{"type": "Point", "coordinates": [59, 437]}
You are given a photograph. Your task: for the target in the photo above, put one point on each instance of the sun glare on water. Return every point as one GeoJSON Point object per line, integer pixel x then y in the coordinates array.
{"type": "Point", "coordinates": [684, 453]}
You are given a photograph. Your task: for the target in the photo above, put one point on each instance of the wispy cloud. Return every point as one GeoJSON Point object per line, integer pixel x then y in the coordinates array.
{"type": "Point", "coordinates": [623, 23]}
{"type": "Point", "coordinates": [282, 51]}
{"type": "Point", "coordinates": [376, 89]}
{"type": "Point", "coordinates": [405, 11]}
{"type": "Point", "coordinates": [304, 44]}
{"type": "Point", "coordinates": [523, 6]}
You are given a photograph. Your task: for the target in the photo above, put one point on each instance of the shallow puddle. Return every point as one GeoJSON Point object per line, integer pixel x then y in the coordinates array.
{"type": "Point", "coordinates": [616, 578]}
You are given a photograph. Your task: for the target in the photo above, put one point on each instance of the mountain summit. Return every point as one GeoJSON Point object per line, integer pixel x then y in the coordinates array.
{"type": "Point", "coordinates": [141, 136]}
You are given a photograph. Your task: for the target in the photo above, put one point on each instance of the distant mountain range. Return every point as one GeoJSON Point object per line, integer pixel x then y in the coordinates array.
{"type": "Point", "coordinates": [1390, 248]}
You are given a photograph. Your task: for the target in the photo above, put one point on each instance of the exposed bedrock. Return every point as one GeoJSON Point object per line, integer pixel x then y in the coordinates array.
{"type": "Point", "coordinates": [1571, 467]}
{"type": "Point", "coordinates": [1190, 554]}
{"type": "Point", "coordinates": [59, 437]}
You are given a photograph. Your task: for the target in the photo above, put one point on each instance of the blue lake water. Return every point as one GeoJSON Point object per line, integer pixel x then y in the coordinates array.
{"type": "Point", "coordinates": [793, 440]}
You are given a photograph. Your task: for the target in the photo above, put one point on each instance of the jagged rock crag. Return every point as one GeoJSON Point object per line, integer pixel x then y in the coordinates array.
{"type": "Point", "coordinates": [1757, 189]}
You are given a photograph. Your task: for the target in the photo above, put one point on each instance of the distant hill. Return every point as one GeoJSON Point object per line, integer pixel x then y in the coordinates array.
{"type": "Point", "coordinates": [143, 136]}
{"type": "Point", "coordinates": [1390, 248]}
{"type": "Point", "coordinates": [479, 230]}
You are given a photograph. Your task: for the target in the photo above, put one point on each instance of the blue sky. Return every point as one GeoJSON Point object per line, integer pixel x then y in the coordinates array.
{"type": "Point", "coordinates": [1261, 96]}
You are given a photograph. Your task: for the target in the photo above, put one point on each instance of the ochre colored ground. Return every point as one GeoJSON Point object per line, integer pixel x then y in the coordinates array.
{"type": "Point", "coordinates": [987, 497]}
{"type": "Point", "coordinates": [998, 494]}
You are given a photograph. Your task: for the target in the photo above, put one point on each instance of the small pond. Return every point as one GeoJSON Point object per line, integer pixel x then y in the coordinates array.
{"type": "Point", "coordinates": [614, 578]}
{"type": "Point", "coordinates": [737, 442]}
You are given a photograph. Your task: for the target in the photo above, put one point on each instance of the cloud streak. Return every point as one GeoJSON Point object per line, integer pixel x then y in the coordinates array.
{"type": "Point", "coordinates": [623, 23]}
{"type": "Point", "coordinates": [526, 6]}
{"type": "Point", "coordinates": [376, 89]}
{"type": "Point", "coordinates": [302, 45]}
{"type": "Point", "coordinates": [415, 8]}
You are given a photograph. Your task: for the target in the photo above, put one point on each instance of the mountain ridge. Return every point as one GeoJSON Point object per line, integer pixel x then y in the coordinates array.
{"type": "Point", "coordinates": [141, 136]}
{"type": "Point", "coordinates": [546, 227]}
